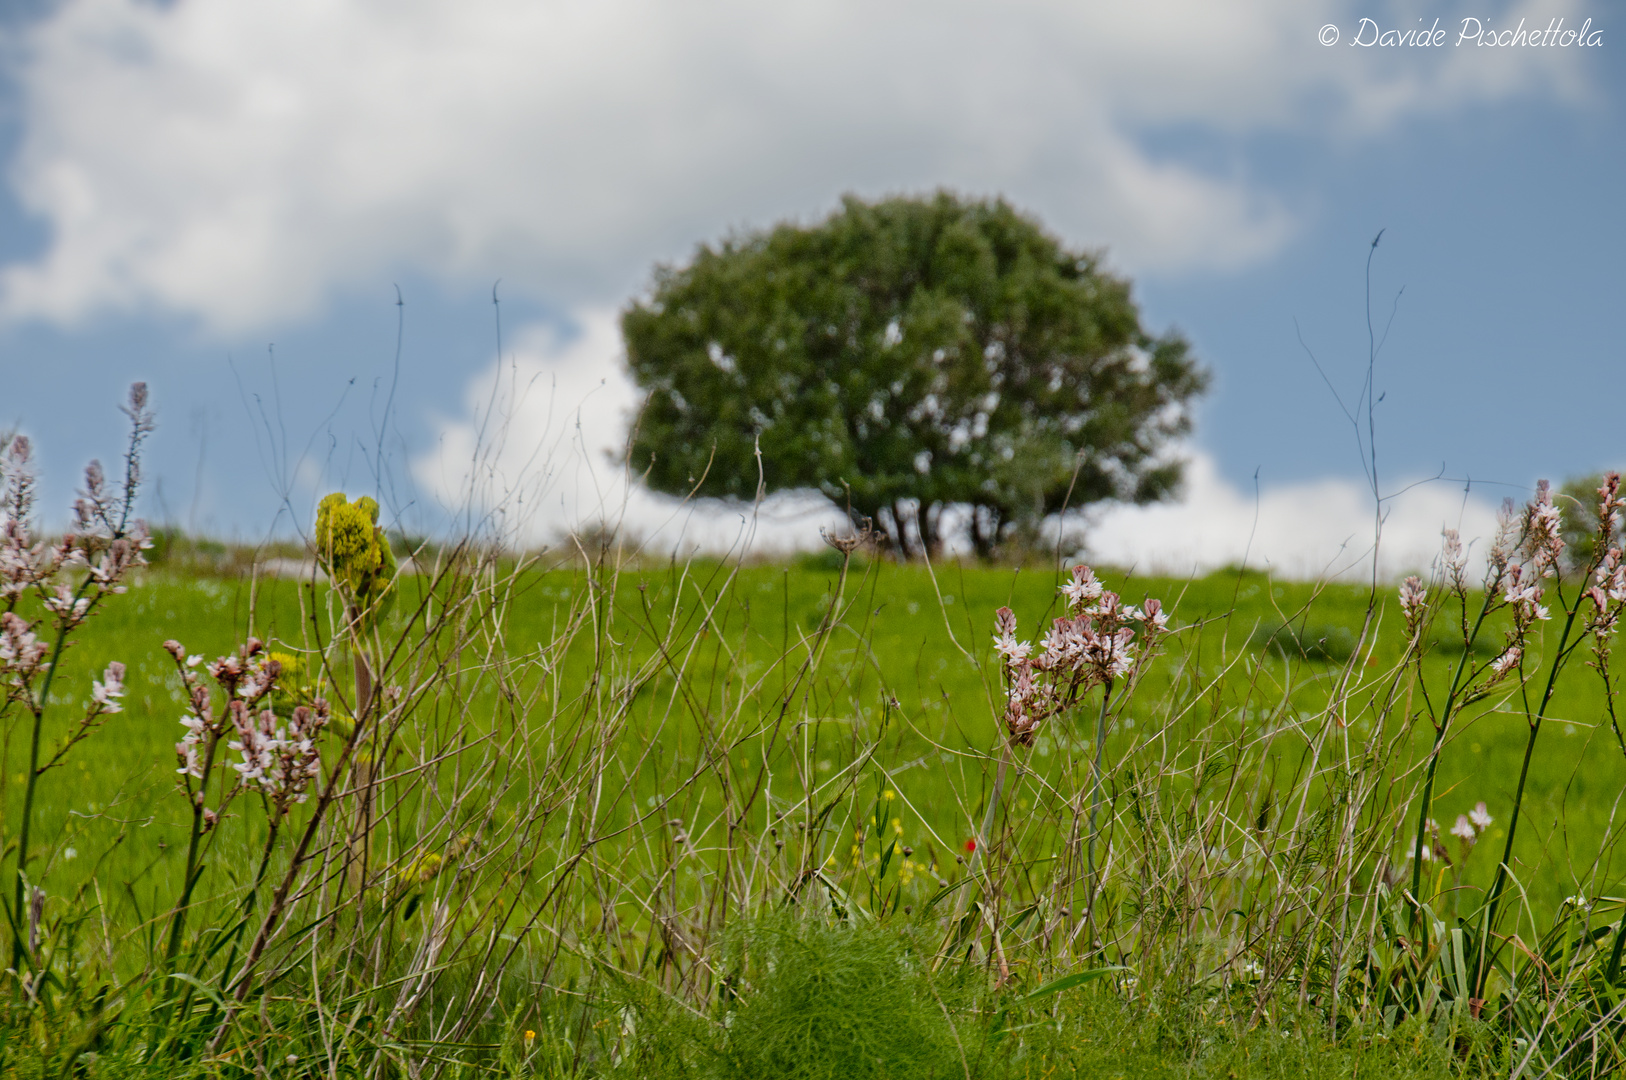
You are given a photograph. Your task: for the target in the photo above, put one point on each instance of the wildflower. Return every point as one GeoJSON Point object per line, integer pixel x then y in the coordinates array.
{"type": "Point", "coordinates": [1091, 645]}
{"type": "Point", "coordinates": [1543, 525]}
{"type": "Point", "coordinates": [70, 610]}
{"type": "Point", "coordinates": [1501, 552]}
{"type": "Point", "coordinates": [1479, 817]}
{"type": "Point", "coordinates": [1413, 597]}
{"type": "Point", "coordinates": [971, 846]}
{"type": "Point", "coordinates": [1464, 829]}
{"type": "Point", "coordinates": [1081, 589]}
{"type": "Point", "coordinates": [109, 689]}
{"type": "Point", "coordinates": [1456, 560]}
{"type": "Point", "coordinates": [1153, 615]}
{"type": "Point", "coordinates": [281, 761]}
{"type": "Point", "coordinates": [1609, 500]}
{"type": "Point", "coordinates": [1611, 575]}
{"type": "Point", "coordinates": [186, 751]}
{"type": "Point", "coordinates": [1525, 598]}
{"type": "Point", "coordinates": [1506, 662]}
{"type": "Point", "coordinates": [226, 670]}
{"type": "Point", "coordinates": [1412, 852]}
{"type": "Point", "coordinates": [1111, 655]}
{"type": "Point", "coordinates": [1604, 617]}
{"type": "Point", "coordinates": [1005, 642]}
{"type": "Point", "coordinates": [352, 548]}
{"type": "Point", "coordinates": [21, 651]}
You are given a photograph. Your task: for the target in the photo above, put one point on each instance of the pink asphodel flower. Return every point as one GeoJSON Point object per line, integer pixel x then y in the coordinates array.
{"type": "Point", "coordinates": [107, 691]}
{"type": "Point", "coordinates": [1413, 598]}
{"type": "Point", "coordinates": [1082, 589]}
{"type": "Point", "coordinates": [1507, 661]}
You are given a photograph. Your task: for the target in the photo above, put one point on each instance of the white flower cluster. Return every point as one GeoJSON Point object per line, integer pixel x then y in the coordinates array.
{"type": "Point", "coordinates": [1468, 829]}
{"type": "Point", "coordinates": [1455, 559]}
{"type": "Point", "coordinates": [24, 563]}
{"type": "Point", "coordinates": [246, 678]}
{"type": "Point", "coordinates": [22, 653]}
{"type": "Point", "coordinates": [1527, 550]}
{"type": "Point", "coordinates": [1542, 541]}
{"type": "Point", "coordinates": [106, 543]}
{"type": "Point", "coordinates": [107, 691]}
{"type": "Point", "coordinates": [68, 608]}
{"type": "Point", "coordinates": [1091, 645]}
{"type": "Point", "coordinates": [1525, 595]}
{"type": "Point", "coordinates": [280, 760]}
{"type": "Point", "coordinates": [1471, 825]}
{"type": "Point", "coordinates": [1506, 661]}
{"type": "Point", "coordinates": [1608, 591]}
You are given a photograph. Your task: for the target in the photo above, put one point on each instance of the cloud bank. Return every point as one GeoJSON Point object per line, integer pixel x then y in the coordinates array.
{"type": "Point", "coordinates": [237, 164]}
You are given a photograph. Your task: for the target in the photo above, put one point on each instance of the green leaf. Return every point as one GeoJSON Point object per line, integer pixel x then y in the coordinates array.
{"type": "Point", "coordinates": [1067, 982]}
{"type": "Point", "coordinates": [202, 987]}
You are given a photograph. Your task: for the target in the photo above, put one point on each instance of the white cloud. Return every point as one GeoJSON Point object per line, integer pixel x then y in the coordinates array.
{"type": "Point", "coordinates": [535, 443]}
{"type": "Point", "coordinates": [239, 162]}
{"type": "Point", "coordinates": [1314, 530]}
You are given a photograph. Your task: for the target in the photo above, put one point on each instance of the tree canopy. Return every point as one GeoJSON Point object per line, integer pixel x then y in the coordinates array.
{"type": "Point", "coordinates": [903, 357]}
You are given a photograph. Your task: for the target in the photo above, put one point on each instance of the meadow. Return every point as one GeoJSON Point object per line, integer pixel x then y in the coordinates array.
{"type": "Point", "coordinates": [908, 668]}
{"type": "Point", "coordinates": [617, 815]}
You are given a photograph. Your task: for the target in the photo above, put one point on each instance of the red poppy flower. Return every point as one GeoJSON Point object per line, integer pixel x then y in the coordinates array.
{"type": "Point", "coordinates": [971, 845]}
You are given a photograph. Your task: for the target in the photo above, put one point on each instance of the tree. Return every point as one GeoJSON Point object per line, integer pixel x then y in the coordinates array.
{"type": "Point", "coordinates": [903, 357]}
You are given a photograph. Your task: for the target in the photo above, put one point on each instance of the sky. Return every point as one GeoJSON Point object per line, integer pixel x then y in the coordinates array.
{"type": "Point", "coordinates": [292, 220]}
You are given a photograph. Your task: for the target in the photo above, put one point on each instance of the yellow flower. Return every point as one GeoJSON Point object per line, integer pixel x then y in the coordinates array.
{"type": "Point", "coordinates": [352, 548]}
{"type": "Point", "coordinates": [420, 871]}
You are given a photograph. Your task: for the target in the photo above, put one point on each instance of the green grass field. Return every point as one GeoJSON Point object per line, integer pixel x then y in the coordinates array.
{"type": "Point", "coordinates": [610, 772]}
{"type": "Point", "coordinates": [925, 644]}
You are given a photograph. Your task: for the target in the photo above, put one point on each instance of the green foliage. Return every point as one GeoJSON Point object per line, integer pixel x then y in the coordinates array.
{"type": "Point", "coordinates": [903, 356]}
{"type": "Point", "coordinates": [833, 1001]}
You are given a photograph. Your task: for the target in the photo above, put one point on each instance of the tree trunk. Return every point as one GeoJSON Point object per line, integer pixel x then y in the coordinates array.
{"type": "Point", "coordinates": [984, 530]}
{"type": "Point", "coordinates": [900, 524]}
{"type": "Point", "coordinates": [931, 533]}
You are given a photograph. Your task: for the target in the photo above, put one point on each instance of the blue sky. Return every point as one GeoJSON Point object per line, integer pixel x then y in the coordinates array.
{"type": "Point", "coordinates": [190, 191]}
